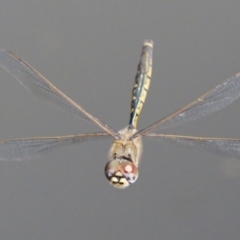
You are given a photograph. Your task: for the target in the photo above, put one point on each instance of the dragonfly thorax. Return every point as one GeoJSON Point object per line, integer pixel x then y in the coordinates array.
{"type": "Point", "coordinates": [125, 148]}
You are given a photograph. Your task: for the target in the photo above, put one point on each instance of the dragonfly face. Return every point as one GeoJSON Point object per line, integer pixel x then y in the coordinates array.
{"type": "Point", "coordinates": [125, 153]}
{"type": "Point", "coordinates": [121, 172]}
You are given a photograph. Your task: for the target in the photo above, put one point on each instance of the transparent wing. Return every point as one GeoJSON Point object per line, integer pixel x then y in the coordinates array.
{"type": "Point", "coordinates": [226, 146]}
{"type": "Point", "coordinates": [36, 83]}
{"type": "Point", "coordinates": [214, 100]}
{"type": "Point", "coordinates": [25, 148]}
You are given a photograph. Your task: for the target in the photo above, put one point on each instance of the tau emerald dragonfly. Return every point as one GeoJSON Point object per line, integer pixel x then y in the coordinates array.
{"type": "Point", "coordinates": [125, 152]}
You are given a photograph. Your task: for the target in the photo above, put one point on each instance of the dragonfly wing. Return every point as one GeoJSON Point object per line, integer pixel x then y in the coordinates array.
{"type": "Point", "coordinates": [38, 84]}
{"type": "Point", "coordinates": [25, 148]}
{"type": "Point", "coordinates": [225, 146]}
{"type": "Point", "coordinates": [214, 100]}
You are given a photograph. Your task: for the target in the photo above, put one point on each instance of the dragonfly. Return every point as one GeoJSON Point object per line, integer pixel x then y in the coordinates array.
{"type": "Point", "coordinates": [125, 153]}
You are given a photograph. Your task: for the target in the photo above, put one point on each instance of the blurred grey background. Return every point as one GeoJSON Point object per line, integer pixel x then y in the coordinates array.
{"type": "Point", "coordinates": [90, 50]}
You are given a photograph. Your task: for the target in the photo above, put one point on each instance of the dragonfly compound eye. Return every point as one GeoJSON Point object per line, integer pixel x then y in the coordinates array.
{"type": "Point", "coordinates": [121, 173]}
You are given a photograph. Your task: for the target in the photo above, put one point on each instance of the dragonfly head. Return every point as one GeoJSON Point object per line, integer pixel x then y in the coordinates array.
{"type": "Point", "coordinates": [121, 172]}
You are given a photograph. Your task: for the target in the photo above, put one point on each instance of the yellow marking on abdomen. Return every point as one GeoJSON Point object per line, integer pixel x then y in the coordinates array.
{"type": "Point", "coordinates": [142, 82]}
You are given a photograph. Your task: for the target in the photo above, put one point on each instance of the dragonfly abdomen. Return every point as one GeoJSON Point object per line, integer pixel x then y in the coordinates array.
{"type": "Point", "coordinates": [142, 82]}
